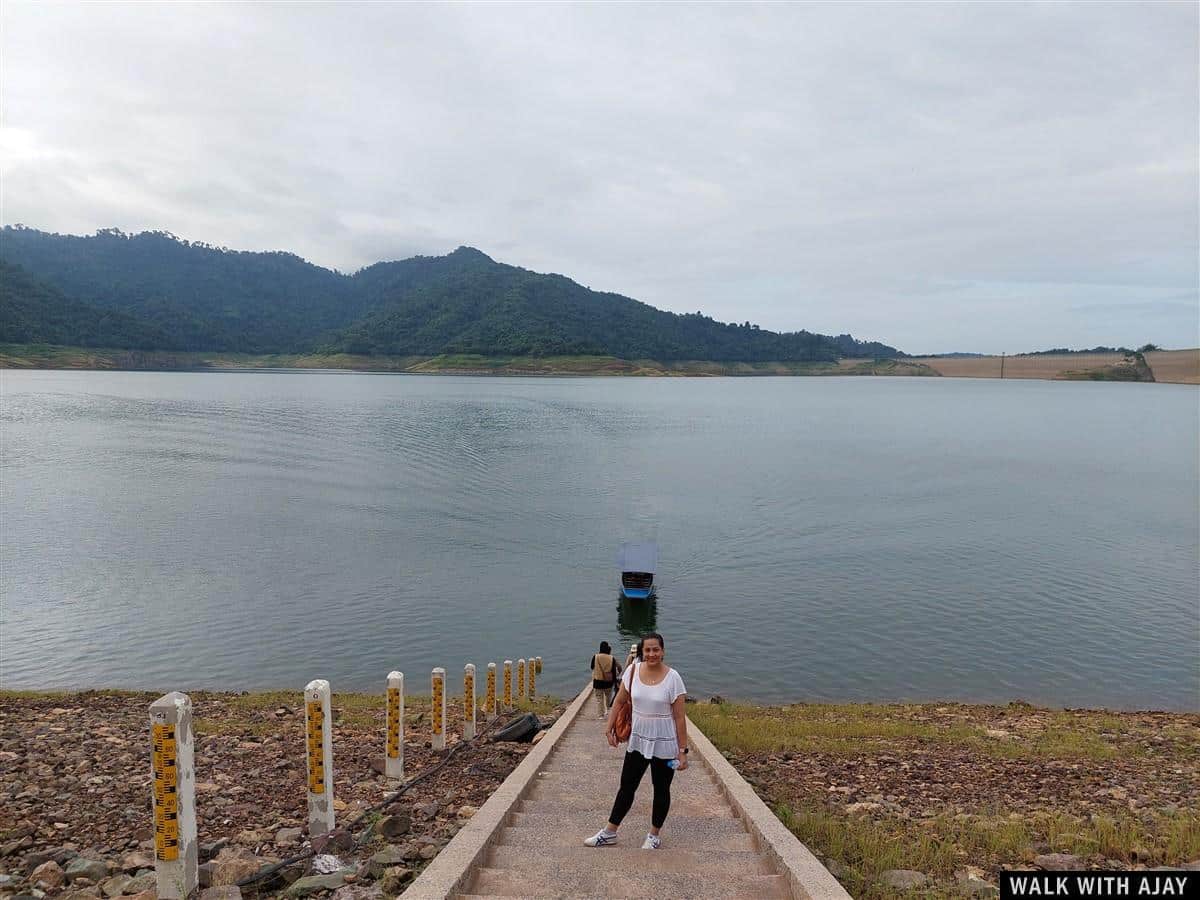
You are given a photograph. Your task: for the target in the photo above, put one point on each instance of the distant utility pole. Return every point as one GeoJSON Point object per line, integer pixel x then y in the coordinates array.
{"type": "Point", "coordinates": [1002, 365]}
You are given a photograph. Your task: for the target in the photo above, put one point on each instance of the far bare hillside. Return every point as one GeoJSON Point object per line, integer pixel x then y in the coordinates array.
{"type": "Point", "coordinates": [1177, 366]}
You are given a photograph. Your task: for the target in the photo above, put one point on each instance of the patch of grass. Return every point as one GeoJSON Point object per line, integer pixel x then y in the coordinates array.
{"type": "Point", "coordinates": [208, 727]}
{"type": "Point", "coordinates": [855, 729]}
{"type": "Point", "coordinates": [824, 729]}
{"type": "Point", "coordinates": [942, 846]}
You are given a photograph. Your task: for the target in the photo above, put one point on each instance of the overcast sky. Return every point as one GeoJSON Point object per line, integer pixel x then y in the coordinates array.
{"type": "Point", "coordinates": [984, 177]}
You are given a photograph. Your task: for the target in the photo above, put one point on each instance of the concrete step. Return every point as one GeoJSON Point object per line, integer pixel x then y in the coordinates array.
{"type": "Point", "coordinates": [543, 835]}
{"type": "Point", "coordinates": [601, 788]}
{"type": "Point", "coordinates": [676, 826]}
{"type": "Point", "coordinates": [591, 807]}
{"type": "Point", "coordinates": [627, 858]}
{"type": "Point", "coordinates": [609, 881]}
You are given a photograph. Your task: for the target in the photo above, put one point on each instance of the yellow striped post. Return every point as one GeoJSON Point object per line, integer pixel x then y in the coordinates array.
{"type": "Point", "coordinates": [532, 678]}
{"type": "Point", "coordinates": [172, 764]}
{"type": "Point", "coordinates": [508, 691]}
{"type": "Point", "coordinates": [319, 734]}
{"type": "Point", "coordinates": [393, 760]}
{"type": "Point", "coordinates": [439, 708]}
{"type": "Point", "coordinates": [489, 698]}
{"type": "Point", "coordinates": [468, 731]}
{"type": "Point", "coordinates": [520, 679]}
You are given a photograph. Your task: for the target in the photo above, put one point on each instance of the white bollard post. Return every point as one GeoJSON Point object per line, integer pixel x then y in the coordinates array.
{"type": "Point", "coordinates": [393, 760]}
{"type": "Point", "coordinates": [173, 767]}
{"type": "Point", "coordinates": [508, 695]}
{"type": "Point", "coordinates": [439, 708]}
{"type": "Point", "coordinates": [520, 679]}
{"type": "Point", "coordinates": [468, 731]}
{"type": "Point", "coordinates": [319, 730]}
{"type": "Point", "coordinates": [489, 698]}
{"type": "Point", "coordinates": [532, 678]}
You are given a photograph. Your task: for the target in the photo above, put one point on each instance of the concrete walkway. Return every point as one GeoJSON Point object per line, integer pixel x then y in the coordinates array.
{"type": "Point", "coordinates": [719, 840]}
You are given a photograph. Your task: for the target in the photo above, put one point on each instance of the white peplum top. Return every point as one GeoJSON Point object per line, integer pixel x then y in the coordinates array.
{"type": "Point", "coordinates": [653, 732]}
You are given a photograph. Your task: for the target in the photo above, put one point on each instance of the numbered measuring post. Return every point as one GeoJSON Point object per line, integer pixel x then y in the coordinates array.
{"type": "Point", "coordinates": [468, 731]}
{"type": "Point", "coordinates": [539, 665]}
{"type": "Point", "coordinates": [172, 766]}
{"type": "Point", "coordinates": [439, 708]}
{"type": "Point", "coordinates": [520, 679]}
{"type": "Point", "coordinates": [393, 758]}
{"type": "Point", "coordinates": [319, 741]}
{"type": "Point", "coordinates": [508, 692]}
{"type": "Point", "coordinates": [489, 698]}
{"type": "Point", "coordinates": [532, 678]}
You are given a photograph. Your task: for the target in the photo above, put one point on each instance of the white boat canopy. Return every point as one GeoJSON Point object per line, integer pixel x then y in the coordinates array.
{"type": "Point", "coordinates": [638, 557]}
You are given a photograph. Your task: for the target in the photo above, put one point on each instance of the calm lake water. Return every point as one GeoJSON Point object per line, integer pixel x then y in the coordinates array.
{"type": "Point", "coordinates": [821, 539]}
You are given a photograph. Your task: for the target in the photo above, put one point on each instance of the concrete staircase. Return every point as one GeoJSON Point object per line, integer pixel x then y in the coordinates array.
{"type": "Point", "coordinates": [706, 849]}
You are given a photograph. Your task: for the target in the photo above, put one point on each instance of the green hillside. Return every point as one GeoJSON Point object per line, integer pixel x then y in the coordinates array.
{"type": "Point", "coordinates": [169, 294]}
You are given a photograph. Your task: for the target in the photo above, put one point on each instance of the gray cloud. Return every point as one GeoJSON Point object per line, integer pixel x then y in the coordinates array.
{"type": "Point", "coordinates": [974, 177]}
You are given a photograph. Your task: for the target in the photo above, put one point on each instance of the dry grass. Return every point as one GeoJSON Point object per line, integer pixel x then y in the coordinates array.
{"type": "Point", "coordinates": [857, 729]}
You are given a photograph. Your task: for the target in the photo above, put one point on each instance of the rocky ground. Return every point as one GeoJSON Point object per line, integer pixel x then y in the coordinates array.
{"type": "Point", "coordinates": [75, 817]}
{"type": "Point", "coordinates": [935, 798]}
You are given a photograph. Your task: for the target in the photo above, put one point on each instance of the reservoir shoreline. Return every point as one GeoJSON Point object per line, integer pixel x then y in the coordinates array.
{"type": "Point", "coordinates": [1170, 366]}
{"type": "Point", "coordinates": [951, 791]}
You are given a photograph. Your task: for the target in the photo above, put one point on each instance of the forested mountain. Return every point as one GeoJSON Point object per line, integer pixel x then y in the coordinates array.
{"type": "Point", "coordinates": [154, 291]}
{"type": "Point", "coordinates": [33, 312]}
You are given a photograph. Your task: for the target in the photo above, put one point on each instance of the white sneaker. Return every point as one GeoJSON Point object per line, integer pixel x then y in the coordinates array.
{"type": "Point", "coordinates": [602, 838]}
{"type": "Point", "coordinates": [651, 843]}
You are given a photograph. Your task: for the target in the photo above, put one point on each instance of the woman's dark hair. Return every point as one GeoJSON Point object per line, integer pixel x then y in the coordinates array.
{"type": "Point", "coordinates": [652, 636]}
{"type": "Point", "coordinates": [604, 648]}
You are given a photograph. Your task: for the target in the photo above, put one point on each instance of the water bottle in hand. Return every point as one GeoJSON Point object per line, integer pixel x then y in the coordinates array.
{"type": "Point", "coordinates": [672, 764]}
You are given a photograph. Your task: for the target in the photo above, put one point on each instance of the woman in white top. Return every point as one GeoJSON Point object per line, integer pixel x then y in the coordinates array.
{"type": "Point", "coordinates": [657, 740]}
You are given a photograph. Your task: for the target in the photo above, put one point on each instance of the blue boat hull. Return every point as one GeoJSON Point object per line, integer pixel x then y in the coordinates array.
{"type": "Point", "coordinates": [637, 593]}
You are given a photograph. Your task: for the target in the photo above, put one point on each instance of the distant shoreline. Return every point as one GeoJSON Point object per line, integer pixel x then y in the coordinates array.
{"type": "Point", "coordinates": [1166, 366]}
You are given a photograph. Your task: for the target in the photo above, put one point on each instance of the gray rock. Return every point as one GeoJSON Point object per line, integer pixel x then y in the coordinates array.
{"type": "Point", "coordinates": [81, 867]}
{"type": "Point", "coordinates": [221, 892]}
{"type": "Point", "coordinates": [394, 826]}
{"type": "Point", "coordinates": [209, 849]}
{"type": "Point", "coordinates": [903, 879]}
{"type": "Point", "coordinates": [836, 869]}
{"type": "Point", "coordinates": [115, 886]}
{"type": "Point", "coordinates": [977, 887]}
{"type": "Point", "coordinates": [204, 873]}
{"type": "Point", "coordinates": [386, 859]}
{"type": "Point", "coordinates": [333, 841]}
{"type": "Point", "coordinates": [288, 836]}
{"type": "Point", "coordinates": [138, 859]}
{"type": "Point", "coordinates": [429, 851]}
{"type": "Point", "coordinates": [1063, 861]}
{"type": "Point", "coordinates": [314, 884]}
{"type": "Point", "coordinates": [147, 881]}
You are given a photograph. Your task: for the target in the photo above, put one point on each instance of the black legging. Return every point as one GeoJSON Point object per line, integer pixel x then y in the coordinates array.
{"type": "Point", "coordinates": [631, 776]}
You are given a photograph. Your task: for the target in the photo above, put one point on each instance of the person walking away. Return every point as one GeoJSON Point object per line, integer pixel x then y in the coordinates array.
{"type": "Point", "coordinates": [658, 739]}
{"type": "Point", "coordinates": [604, 675]}
{"type": "Point", "coordinates": [634, 656]}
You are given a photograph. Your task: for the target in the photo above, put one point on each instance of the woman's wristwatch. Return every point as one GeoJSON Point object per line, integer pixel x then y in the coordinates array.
{"type": "Point", "coordinates": [684, 750]}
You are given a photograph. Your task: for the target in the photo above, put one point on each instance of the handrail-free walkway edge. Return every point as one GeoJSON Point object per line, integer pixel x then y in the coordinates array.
{"type": "Point", "coordinates": [808, 878]}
